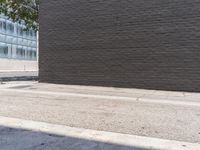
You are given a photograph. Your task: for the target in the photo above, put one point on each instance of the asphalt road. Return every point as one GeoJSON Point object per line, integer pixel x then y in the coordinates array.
{"type": "Point", "coordinates": [166, 115]}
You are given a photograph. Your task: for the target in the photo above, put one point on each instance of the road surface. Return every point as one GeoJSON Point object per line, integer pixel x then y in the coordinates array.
{"type": "Point", "coordinates": [149, 113]}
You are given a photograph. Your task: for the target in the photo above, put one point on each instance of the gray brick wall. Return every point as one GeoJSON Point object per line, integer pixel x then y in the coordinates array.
{"type": "Point", "coordinates": [151, 44]}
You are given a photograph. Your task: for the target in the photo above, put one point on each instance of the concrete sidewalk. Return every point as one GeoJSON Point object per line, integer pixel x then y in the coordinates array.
{"type": "Point", "coordinates": [160, 114]}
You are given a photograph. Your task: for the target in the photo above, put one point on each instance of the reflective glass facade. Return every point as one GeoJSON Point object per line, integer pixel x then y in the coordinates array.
{"type": "Point", "coordinates": [15, 42]}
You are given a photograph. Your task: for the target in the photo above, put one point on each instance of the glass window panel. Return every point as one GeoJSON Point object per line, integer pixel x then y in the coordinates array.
{"type": "Point", "coordinates": [4, 25]}
{"type": "Point", "coordinates": [1, 25]}
{"type": "Point", "coordinates": [34, 54]}
{"type": "Point", "coordinates": [10, 27]}
{"type": "Point", "coordinates": [20, 31]}
{"type": "Point", "coordinates": [3, 50]}
{"type": "Point", "coordinates": [20, 53]}
{"type": "Point", "coordinates": [27, 33]}
{"type": "Point", "coordinates": [31, 33]}
{"type": "Point", "coordinates": [35, 34]}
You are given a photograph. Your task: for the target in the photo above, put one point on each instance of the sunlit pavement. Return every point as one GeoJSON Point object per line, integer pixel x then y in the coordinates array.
{"type": "Point", "coordinates": [168, 120]}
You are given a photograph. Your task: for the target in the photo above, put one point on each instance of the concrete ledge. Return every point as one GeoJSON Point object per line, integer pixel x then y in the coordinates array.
{"type": "Point", "coordinates": [6, 65]}
{"type": "Point", "coordinates": [21, 78]}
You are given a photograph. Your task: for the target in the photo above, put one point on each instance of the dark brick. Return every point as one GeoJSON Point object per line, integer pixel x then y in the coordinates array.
{"type": "Point", "coordinates": [122, 43]}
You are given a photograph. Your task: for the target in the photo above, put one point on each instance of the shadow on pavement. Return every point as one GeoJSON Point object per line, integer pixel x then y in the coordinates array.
{"type": "Point", "coordinates": [20, 139]}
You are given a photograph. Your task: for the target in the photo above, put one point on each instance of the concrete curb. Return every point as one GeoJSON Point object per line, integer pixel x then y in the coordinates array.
{"type": "Point", "coordinates": [100, 136]}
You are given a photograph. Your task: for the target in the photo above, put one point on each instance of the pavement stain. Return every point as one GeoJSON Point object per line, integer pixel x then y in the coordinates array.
{"type": "Point", "coordinates": [9, 130]}
{"type": "Point", "coordinates": [20, 87]}
{"type": "Point", "coordinates": [156, 132]}
{"type": "Point", "coordinates": [54, 135]}
{"type": "Point", "coordinates": [32, 88]}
